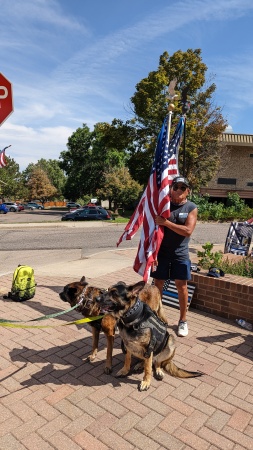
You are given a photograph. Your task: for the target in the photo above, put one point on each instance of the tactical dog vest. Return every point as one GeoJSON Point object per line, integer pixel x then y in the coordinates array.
{"type": "Point", "coordinates": [141, 316]}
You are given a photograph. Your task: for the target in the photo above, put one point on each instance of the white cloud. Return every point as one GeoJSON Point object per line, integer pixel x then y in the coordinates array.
{"type": "Point", "coordinates": [229, 129]}
{"type": "Point", "coordinates": [30, 144]}
{"type": "Point", "coordinates": [40, 11]}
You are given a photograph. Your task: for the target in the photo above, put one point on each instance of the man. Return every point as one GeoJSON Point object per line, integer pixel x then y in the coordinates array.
{"type": "Point", "coordinates": [173, 257]}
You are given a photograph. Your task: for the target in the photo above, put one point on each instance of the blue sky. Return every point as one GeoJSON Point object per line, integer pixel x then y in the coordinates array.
{"type": "Point", "coordinates": [78, 61]}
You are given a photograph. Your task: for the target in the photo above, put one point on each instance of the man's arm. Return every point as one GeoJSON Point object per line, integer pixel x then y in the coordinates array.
{"type": "Point", "coordinates": [184, 230]}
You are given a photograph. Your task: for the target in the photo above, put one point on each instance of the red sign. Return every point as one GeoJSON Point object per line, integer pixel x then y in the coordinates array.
{"type": "Point", "coordinates": [6, 102]}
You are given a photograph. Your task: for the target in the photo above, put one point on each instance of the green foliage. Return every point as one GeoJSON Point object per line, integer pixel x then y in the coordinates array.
{"type": "Point", "coordinates": [11, 185]}
{"type": "Point", "coordinates": [235, 201]}
{"type": "Point", "coordinates": [209, 258]}
{"type": "Point", "coordinates": [236, 210]}
{"type": "Point", "coordinates": [243, 268]}
{"type": "Point", "coordinates": [120, 188]}
{"type": "Point", "coordinates": [84, 200]}
{"type": "Point", "coordinates": [89, 156]}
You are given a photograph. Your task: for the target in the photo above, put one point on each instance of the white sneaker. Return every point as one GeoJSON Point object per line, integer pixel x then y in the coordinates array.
{"type": "Point", "coordinates": [182, 329]}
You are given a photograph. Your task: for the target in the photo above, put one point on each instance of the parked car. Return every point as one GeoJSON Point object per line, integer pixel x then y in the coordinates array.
{"type": "Point", "coordinates": [88, 213]}
{"type": "Point", "coordinates": [13, 207]}
{"type": "Point", "coordinates": [3, 209]}
{"type": "Point", "coordinates": [35, 205]}
{"type": "Point", "coordinates": [73, 205]}
{"type": "Point", "coordinates": [30, 207]}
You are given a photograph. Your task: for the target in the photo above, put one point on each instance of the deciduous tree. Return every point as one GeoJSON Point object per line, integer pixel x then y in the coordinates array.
{"type": "Point", "coordinates": [89, 156]}
{"type": "Point", "coordinates": [120, 188]}
{"type": "Point", "coordinates": [40, 187]}
{"type": "Point", "coordinates": [204, 125]}
{"type": "Point", "coordinates": [11, 184]}
{"type": "Point", "coordinates": [52, 168]}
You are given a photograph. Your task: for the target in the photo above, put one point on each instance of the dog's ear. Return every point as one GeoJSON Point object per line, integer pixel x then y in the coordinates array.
{"type": "Point", "coordinates": [136, 288]}
{"type": "Point", "coordinates": [83, 280]}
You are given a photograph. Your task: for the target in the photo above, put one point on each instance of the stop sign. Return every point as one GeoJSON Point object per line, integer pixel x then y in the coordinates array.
{"type": "Point", "coordinates": [6, 103]}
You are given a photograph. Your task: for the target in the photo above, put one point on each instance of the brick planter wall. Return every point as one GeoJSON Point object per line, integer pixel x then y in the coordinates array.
{"type": "Point", "coordinates": [230, 297]}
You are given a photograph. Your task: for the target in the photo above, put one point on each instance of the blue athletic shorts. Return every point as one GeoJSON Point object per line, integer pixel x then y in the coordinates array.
{"type": "Point", "coordinates": [172, 270]}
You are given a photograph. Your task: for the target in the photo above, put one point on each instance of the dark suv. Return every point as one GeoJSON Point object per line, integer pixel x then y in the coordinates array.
{"type": "Point", "coordinates": [88, 213]}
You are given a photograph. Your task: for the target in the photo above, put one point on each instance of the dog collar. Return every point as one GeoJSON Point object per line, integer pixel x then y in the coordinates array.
{"type": "Point", "coordinates": [133, 313]}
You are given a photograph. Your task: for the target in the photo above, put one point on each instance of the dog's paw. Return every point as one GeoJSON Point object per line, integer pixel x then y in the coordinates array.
{"type": "Point", "coordinates": [159, 374]}
{"type": "Point", "coordinates": [91, 358]}
{"type": "Point", "coordinates": [107, 370]}
{"type": "Point", "coordinates": [122, 373]}
{"type": "Point", "coordinates": [143, 386]}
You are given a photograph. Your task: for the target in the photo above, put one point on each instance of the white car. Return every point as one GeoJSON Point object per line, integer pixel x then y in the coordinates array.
{"type": "Point", "coordinates": [13, 207]}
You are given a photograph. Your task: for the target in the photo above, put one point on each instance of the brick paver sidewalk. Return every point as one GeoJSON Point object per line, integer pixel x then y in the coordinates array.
{"type": "Point", "coordinates": [52, 398]}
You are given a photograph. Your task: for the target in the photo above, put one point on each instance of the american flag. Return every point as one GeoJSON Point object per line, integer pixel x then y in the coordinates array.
{"type": "Point", "coordinates": [155, 200]}
{"type": "Point", "coordinates": [2, 157]}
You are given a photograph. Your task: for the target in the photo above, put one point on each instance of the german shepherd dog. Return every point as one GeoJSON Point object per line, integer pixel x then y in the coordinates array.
{"type": "Point", "coordinates": [81, 294]}
{"type": "Point", "coordinates": [143, 333]}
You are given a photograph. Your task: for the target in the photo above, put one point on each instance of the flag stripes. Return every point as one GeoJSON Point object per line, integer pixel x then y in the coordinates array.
{"type": "Point", "coordinates": [3, 162]}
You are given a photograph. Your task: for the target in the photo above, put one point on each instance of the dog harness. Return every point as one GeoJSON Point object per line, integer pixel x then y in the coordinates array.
{"type": "Point", "coordinates": [141, 316]}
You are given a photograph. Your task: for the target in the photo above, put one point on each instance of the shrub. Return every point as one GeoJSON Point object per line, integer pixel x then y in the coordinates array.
{"type": "Point", "coordinates": [208, 258]}
{"type": "Point", "coordinates": [244, 267]}
{"type": "Point", "coordinates": [235, 210]}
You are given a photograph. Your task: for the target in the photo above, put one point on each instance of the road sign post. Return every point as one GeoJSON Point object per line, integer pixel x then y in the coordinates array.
{"type": "Point", "coordinates": [6, 101]}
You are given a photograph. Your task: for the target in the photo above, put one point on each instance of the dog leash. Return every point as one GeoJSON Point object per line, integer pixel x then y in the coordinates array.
{"type": "Point", "coordinates": [47, 316]}
{"type": "Point", "coordinates": [76, 322]}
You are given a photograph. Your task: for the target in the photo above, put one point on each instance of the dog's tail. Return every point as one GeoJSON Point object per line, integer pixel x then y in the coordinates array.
{"type": "Point", "coordinates": [171, 368]}
{"type": "Point", "coordinates": [175, 371]}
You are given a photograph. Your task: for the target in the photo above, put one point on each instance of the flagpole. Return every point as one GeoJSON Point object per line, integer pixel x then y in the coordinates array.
{"type": "Point", "coordinates": [185, 108]}
{"type": "Point", "coordinates": [172, 96]}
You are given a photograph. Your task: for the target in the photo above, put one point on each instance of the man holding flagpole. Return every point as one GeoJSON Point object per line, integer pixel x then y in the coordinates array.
{"type": "Point", "coordinates": [153, 213]}
{"type": "Point", "coordinates": [173, 261]}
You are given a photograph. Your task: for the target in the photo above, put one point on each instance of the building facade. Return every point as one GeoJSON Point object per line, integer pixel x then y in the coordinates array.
{"type": "Point", "coordinates": [235, 173]}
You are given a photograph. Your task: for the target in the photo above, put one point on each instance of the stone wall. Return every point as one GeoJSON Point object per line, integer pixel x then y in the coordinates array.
{"type": "Point", "coordinates": [230, 297]}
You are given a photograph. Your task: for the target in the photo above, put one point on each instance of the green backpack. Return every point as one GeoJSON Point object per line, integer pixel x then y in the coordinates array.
{"type": "Point", "coordinates": [23, 284]}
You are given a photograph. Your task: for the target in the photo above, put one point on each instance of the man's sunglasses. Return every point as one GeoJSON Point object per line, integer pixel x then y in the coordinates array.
{"type": "Point", "coordinates": [175, 187]}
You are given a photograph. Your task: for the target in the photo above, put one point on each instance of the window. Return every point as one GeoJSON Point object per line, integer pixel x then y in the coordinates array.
{"type": "Point", "coordinates": [250, 183]}
{"type": "Point", "coordinates": [226, 181]}
{"type": "Point", "coordinates": [82, 213]}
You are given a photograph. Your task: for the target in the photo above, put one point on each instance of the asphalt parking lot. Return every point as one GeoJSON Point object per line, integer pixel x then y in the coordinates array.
{"type": "Point", "coordinates": [34, 216]}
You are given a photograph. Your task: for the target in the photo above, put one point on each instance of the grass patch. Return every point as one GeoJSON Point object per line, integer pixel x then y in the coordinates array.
{"type": "Point", "coordinates": [120, 219]}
